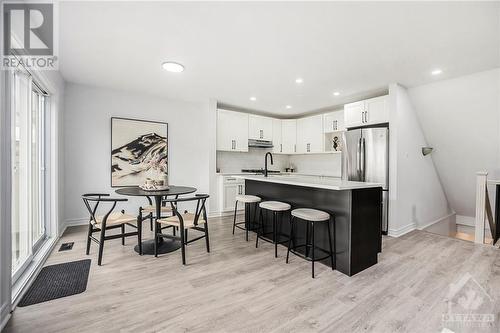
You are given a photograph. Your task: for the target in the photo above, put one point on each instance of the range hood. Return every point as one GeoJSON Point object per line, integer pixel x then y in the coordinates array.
{"type": "Point", "coordinates": [260, 143]}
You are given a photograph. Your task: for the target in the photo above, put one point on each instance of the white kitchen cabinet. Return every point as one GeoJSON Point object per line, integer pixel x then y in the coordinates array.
{"type": "Point", "coordinates": [353, 114]}
{"type": "Point", "coordinates": [310, 134]}
{"type": "Point", "coordinates": [232, 131]}
{"type": "Point", "coordinates": [377, 111]}
{"type": "Point", "coordinates": [277, 140]}
{"type": "Point", "coordinates": [333, 121]}
{"type": "Point", "coordinates": [288, 136]}
{"type": "Point", "coordinates": [260, 128]}
{"type": "Point", "coordinates": [368, 112]}
{"type": "Point", "coordinates": [231, 187]}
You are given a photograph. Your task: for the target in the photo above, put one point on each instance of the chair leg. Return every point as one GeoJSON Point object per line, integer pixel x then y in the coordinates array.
{"type": "Point", "coordinates": [156, 239]}
{"type": "Point", "coordinates": [206, 236]}
{"type": "Point", "coordinates": [234, 218]}
{"type": "Point", "coordinates": [151, 221]}
{"type": "Point", "coordinates": [247, 220]}
{"type": "Point", "coordinates": [101, 245]}
{"type": "Point", "coordinates": [259, 228]}
{"type": "Point", "coordinates": [307, 239]}
{"type": "Point", "coordinates": [290, 239]}
{"type": "Point", "coordinates": [88, 238]}
{"type": "Point", "coordinates": [330, 243]}
{"type": "Point", "coordinates": [334, 243]}
{"type": "Point", "coordinates": [173, 230]}
{"type": "Point", "coordinates": [123, 234]}
{"type": "Point", "coordinates": [183, 247]}
{"type": "Point", "coordinates": [139, 235]}
{"type": "Point", "coordinates": [313, 247]}
{"type": "Point", "coordinates": [275, 240]}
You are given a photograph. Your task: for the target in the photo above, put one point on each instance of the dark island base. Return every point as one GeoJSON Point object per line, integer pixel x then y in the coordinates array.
{"type": "Point", "coordinates": [358, 215]}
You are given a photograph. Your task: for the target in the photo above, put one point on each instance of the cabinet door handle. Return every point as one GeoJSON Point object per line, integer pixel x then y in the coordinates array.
{"type": "Point", "coordinates": [366, 116]}
{"type": "Point", "coordinates": [334, 125]}
{"type": "Point", "coordinates": [295, 148]}
{"type": "Point", "coordinates": [262, 134]}
{"type": "Point", "coordinates": [281, 147]}
{"type": "Point", "coordinates": [308, 147]}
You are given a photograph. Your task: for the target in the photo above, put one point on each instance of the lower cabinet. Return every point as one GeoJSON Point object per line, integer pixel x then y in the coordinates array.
{"type": "Point", "coordinates": [230, 188]}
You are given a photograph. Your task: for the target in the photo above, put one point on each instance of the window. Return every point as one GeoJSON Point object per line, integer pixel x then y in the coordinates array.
{"type": "Point", "coordinates": [29, 104]}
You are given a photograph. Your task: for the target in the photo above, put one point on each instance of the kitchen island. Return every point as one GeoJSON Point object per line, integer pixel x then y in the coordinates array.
{"type": "Point", "coordinates": [357, 207]}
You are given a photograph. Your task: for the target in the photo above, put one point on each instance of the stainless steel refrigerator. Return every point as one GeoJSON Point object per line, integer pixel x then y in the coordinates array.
{"type": "Point", "coordinates": [366, 159]}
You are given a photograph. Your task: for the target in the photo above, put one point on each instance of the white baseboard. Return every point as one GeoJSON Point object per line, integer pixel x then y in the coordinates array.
{"type": "Point", "coordinates": [441, 219]}
{"type": "Point", "coordinates": [5, 314]}
{"type": "Point", "coordinates": [470, 221]}
{"type": "Point", "coordinates": [401, 231]}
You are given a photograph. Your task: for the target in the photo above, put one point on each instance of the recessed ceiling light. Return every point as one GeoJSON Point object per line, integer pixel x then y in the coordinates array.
{"type": "Point", "coordinates": [288, 106]}
{"type": "Point", "coordinates": [299, 80]}
{"type": "Point", "coordinates": [172, 67]}
{"type": "Point", "coordinates": [436, 71]}
{"type": "Point", "coordinates": [336, 93]}
{"type": "Point", "coordinates": [253, 99]}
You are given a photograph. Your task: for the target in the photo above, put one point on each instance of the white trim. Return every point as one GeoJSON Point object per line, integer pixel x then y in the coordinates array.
{"type": "Point", "coordinates": [401, 231]}
{"type": "Point", "coordinates": [29, 275]}
{"type": "Point", "coordinates": [469, 221]}
{"type": "Point", "coordinates": [5, 314]}
{"type": "Point", "coordinates": [441, 219]}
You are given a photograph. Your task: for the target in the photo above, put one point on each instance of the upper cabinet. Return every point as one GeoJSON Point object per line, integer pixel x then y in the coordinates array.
{"type": "Point", "coordinates": [310, 134]}
{"type": "Point", "coordinates": [333, 121]}
{"type": "Point", "coordinates": [288, 136]}
{"type": "Point", "coordinates": [277, 140]}
{"type": "Point", "coordinates": [368, 112]}
{"type": "Point", "coordinates": [232, 131]}
{"type": "Point", "coordinates": [260, 128]}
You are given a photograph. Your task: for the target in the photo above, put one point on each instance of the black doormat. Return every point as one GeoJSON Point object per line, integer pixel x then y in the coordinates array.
{"type": "Point", "coordinates": [58, 281]}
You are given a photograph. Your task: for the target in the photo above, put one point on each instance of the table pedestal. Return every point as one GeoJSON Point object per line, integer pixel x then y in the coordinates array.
{"type": "Point", "coordinates": [165, 246]}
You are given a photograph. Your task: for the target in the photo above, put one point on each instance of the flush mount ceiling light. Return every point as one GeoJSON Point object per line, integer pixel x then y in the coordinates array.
{"type": "Point", "coordinates": [299, 80]}
{"type": "Point", "coordinates": [336, 93]}
{"type": "Point", "coordinates": [173, 67]}
{"type": "Point", "coordinates": [288, 106]}
{"type": "Point", "coordinates": [437, 71]}
{"type": "Point", "coordinates": [253, 99]}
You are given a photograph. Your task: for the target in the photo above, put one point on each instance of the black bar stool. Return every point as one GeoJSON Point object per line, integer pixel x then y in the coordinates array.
{"type": "Point", "coordinates": [247, 200]}
{"type": "Point", "coordinates": [311, 216]}
{"type": "Point", "coordinates": [275, 207]}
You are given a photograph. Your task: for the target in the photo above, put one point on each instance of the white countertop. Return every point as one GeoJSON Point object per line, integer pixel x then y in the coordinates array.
{"type": "Point", "coordinates": [328, 183]}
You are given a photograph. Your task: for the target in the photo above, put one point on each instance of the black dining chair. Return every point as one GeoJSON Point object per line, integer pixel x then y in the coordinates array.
{"type": "Point", "coordinates": [108, 221]}
{"type": "Point", "coordinates": [184, 222]}
{"type": "Point", "coordinates": [148, 212]}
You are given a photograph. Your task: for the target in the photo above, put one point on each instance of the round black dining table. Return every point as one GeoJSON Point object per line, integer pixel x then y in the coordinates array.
{"type": "Point", "coordinates": [164, 245]}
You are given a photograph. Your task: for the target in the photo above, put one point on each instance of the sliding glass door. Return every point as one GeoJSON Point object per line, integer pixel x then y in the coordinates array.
{"type": "Point", "coordinates": [28, 180]}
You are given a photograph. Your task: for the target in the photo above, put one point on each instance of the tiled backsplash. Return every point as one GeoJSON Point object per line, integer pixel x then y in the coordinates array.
{"type": "Point", "coordinates": [320, 164]}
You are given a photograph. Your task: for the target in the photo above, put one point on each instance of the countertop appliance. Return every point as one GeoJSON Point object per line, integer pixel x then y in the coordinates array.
{"type": "Point", "coordinates": [366, 159]}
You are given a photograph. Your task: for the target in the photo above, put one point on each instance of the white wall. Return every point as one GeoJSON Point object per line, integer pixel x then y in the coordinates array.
{"type": "Point", "coordinates": [318, 164]}
{"type": "Point", "coordinates": [233, 162]}
{"type": "Point", "coordinates": [88, 140]}
{"type": "Point", "coordinates": [460, 119]}
{"type": "Point", "coordinates": [416, 195]}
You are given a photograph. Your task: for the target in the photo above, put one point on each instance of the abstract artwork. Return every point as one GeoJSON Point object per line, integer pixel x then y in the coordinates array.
{"type": "Point", "coordinates": [139, 150]}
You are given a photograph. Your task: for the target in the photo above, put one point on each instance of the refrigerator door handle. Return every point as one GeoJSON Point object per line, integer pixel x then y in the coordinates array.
{"type": "Point", "coordinates": [363, 153]}
{"type": "Point", "coordinates": [358, 159]}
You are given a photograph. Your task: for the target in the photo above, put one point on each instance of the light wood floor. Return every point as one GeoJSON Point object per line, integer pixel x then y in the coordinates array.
{"type": "Point", "coordinates": [237, 288]}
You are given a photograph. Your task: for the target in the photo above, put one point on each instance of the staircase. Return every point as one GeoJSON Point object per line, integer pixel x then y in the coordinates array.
{"type": "Point", "coordinates": [484, 212]}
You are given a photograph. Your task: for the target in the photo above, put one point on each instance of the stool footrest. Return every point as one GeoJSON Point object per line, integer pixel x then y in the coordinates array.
{"type": "Point", "coordinates": [237, 225]}
{"type": "Point", "coordinates": [270, 240]}
{"type": "Point", "coordinates": [294, 251]}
